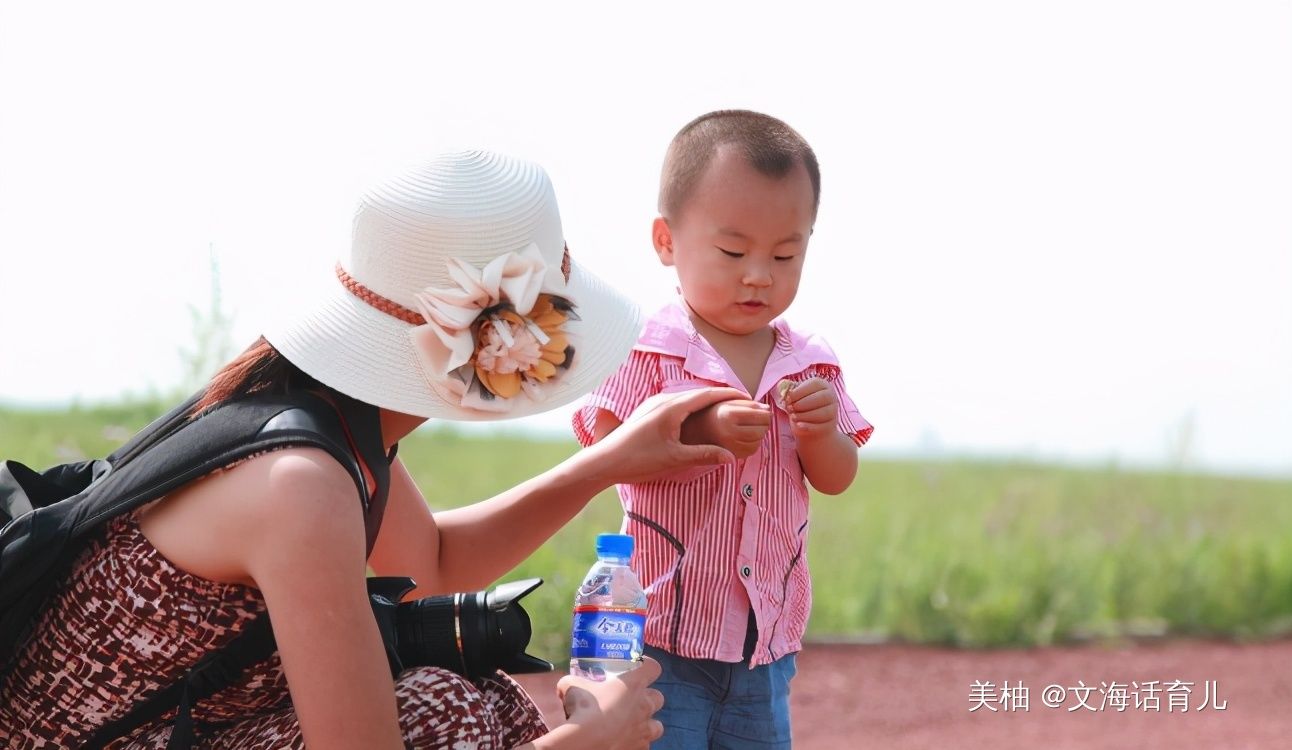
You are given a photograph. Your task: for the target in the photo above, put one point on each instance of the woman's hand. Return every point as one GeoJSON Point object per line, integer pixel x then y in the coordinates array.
{"type": "Point", "coordinates": [738, 425]}
{"type": "Point", "coordinates": [615, 714]}
{"type": "Point", "coordinates": [649, 444]}
{"type": "Point", "coordinates": [513, 523]}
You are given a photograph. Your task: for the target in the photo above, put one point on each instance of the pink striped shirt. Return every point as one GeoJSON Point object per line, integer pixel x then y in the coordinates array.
{"type": "Point", "coordinates": [714, 542]}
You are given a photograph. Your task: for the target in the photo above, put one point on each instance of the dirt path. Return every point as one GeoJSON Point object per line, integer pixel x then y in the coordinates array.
{"type": "Point", "coordinates": [906, 697]}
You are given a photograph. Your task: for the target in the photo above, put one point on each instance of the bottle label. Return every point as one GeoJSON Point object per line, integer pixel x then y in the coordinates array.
{"type": "Point", "coordinates": [607, 632]}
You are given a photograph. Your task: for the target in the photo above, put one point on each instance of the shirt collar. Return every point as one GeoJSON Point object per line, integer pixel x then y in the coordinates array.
{"type": "Point", "coordinates": [670, 331]}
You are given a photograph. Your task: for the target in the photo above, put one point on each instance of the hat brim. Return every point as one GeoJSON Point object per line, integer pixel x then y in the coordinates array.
{"type": "Point", "coordinates": [346, 344]}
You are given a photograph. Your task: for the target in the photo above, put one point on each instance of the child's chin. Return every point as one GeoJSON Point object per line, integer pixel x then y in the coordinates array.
{"type": "Point", "coordinates": [753, 324]}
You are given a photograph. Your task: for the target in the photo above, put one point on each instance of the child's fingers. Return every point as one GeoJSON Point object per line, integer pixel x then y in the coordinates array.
{"type": "Point", "coordinates": [811, 418]}
{"type": "Point", "coordinates": [814, 401]}
{"type": "Point", "coordinates": [824, 414]}
{"type": "Point", "coordinates": [810, 428]}
{"type": "Point", "coordinates": [803, 390]}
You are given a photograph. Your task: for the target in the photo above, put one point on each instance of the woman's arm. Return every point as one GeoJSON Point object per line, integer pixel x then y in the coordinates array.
{"type": "Point", "coordinates": [737, 425]}
{"type": "Point", "coordinates": [292, 523]}
{"type": "Point", "coordinates": [443, 553]}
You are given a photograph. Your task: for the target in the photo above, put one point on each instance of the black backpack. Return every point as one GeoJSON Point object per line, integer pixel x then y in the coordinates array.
{"type": "Point", "coordinates": [46, 516]}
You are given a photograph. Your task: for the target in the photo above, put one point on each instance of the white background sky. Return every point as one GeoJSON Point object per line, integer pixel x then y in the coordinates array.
{"type": "Point", "coordinates": [1050, 230]}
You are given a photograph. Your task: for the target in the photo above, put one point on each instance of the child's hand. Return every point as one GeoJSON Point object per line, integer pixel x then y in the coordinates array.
{"type": "Point", "coordinates": [738, 425]}
{"type": "Point", "coordinates": [813, 407]}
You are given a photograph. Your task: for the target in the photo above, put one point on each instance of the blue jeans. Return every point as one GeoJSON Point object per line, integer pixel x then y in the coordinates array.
{"type": "Point", "coordinates": [716, 704]}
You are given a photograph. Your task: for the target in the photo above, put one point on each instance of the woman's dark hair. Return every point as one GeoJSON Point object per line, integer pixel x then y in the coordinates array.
{"type": "Point", "coordinates": [259, 369]}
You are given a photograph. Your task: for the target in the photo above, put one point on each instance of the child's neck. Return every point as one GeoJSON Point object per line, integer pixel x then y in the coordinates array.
{"type": "Point", "coordinates": [746, 353]}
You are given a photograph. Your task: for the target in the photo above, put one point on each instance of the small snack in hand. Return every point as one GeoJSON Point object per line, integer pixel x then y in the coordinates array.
{"type": "Point", "coordinates": [783, 389]}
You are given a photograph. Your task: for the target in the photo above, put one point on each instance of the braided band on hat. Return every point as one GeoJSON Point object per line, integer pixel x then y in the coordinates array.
{"type": "Point", "coordinates": [376, 301]}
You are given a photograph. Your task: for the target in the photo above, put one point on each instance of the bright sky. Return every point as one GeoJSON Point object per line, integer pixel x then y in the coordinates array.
{"type": "Point", "coordinates": [1049, 230]}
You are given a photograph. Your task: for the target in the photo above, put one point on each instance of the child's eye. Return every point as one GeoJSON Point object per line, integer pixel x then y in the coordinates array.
{"type": "Point", "coordinates": [730, 254]}
{"type": "Point", "coordinates": [783, 257]}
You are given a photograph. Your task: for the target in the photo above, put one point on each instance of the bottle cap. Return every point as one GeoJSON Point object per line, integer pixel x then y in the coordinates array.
{"type": "Point", "coordinates": [615, 545]}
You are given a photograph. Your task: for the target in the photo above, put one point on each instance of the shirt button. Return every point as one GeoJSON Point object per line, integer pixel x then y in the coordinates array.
{"type": "Point", "coordinates": [745, 570]}
{"type": "Point", "coordinates": [747, 490]}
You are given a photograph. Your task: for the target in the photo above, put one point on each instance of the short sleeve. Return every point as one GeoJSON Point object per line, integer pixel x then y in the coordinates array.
{"type": "Point", "coordinates": [636, 380]}
{"type": "Point", "coordinates": [851, 423]}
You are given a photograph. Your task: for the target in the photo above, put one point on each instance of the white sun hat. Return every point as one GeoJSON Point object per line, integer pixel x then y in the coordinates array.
{"type": "Point", "coordinates": [459, 299]}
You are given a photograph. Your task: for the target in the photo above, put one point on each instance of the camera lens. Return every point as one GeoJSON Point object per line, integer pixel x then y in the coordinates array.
{"type": "Point", "coordinates": [430, 632]}
{"type": "Point", "coordinates": [473, 634]}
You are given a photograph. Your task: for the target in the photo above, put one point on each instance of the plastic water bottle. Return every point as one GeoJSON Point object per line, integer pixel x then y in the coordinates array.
{"type": "Point", "coordinates": [609, 613]}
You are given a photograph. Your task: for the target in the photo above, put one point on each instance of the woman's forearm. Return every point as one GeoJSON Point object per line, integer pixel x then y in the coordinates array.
{"type": "Point", "coordinates": [482, 541]}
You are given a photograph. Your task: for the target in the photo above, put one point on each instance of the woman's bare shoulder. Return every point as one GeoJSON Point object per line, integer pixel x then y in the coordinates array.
{"type": "Point", "coordinates": [215, 526]}
{"type": "Point", "coordinates": [289, 479]}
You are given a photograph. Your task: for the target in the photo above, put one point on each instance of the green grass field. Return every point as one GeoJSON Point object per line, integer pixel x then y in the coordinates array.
{"type": "Point", "coordinates": [964, 553]}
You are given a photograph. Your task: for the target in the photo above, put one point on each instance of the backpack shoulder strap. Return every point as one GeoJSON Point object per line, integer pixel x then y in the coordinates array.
{"type": "Point", "coordinates": [360, 427]}
{"type": "Point", "coordinates": [37, 545]}
{"type": "Point", "coordinates": [23, 490]}
{"type": "Point", "coordinates": [214, 440]}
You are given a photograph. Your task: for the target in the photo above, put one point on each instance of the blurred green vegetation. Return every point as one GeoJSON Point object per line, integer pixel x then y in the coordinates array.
{"type": "Point", "coordinates": [972, 554]}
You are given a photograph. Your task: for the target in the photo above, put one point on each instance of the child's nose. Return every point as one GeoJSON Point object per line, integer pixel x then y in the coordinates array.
{"type": "Point", "coordinates": [758, 276]}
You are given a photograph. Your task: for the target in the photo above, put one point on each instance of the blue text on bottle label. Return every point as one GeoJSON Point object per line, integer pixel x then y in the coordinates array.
{"type": "Point", "coordinates": [607, 632]}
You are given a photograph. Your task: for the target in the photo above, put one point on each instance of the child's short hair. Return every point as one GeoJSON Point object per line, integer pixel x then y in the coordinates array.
{"type": "Point", "coordinates": [771, 146]}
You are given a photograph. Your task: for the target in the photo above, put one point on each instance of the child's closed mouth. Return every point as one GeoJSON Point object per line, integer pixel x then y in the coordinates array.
{"type": "Point", "coordinates": [752, 304]}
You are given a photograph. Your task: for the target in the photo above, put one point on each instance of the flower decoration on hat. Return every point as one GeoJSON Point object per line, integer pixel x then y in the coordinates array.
{"type": "Point", "coordinates": [493, 335]}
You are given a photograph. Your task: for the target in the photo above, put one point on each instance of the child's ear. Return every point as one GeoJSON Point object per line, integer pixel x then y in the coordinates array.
{"type": "Point", "coordinates": [662, 237]}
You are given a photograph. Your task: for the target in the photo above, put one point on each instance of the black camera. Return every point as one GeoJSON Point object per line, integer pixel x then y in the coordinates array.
{"type": "Point", "coordinates": [472, 634]}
